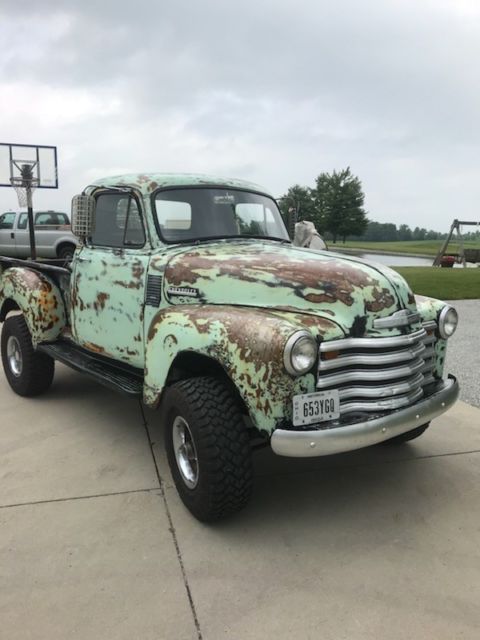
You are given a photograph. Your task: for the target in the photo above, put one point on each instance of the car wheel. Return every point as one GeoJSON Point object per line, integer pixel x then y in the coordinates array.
{"type": "Point", "coordinates": [28, 373]}
{"type": "Point", "coordinates": [208, 447]}
{"type": "Point", "coordinates": [66, 252]}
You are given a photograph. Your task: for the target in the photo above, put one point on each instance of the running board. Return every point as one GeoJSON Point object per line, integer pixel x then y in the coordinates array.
{"type": "Point", "coordinates": [118, 378]}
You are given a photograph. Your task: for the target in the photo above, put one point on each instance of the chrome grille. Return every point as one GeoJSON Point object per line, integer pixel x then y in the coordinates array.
{"type": "Point", "coordinates": [429, 353]}
{"type": "Point", "coordinates": [378, 374]}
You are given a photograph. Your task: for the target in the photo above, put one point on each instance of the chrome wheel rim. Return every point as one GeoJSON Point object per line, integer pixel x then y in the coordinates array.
{"type": "Point", "coordinates": [185, 452]}
{"type": "Point", "coordinates": [14, 356]}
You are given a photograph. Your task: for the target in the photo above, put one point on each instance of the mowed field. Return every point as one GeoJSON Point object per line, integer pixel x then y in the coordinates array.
{"type": "Point", "coordinates": [420, 247]}
{"type": "Point", "coordinates": [445, 284]}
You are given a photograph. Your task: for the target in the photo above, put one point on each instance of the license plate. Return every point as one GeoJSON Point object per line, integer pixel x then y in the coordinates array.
{"type": "Point", "coordinates": [316, 407]}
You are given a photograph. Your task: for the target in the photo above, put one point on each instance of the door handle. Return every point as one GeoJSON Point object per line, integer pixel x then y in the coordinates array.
{"type": "Point", "coordinates": [12, 235]}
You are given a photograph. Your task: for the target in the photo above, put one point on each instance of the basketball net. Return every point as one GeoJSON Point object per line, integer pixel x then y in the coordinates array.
{"type": "Point", "coordinates": [25, 185]}
{"type": "Point", "coordinates": [24, 189]}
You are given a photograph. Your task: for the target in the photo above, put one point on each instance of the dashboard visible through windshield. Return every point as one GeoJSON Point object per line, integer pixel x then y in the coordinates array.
{"type": "Point", "coordinates": [201, 213]}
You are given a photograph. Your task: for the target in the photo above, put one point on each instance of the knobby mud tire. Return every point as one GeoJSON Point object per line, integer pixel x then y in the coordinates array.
{"type": "Point", "coordinates": [37, 369]}
{"type": "Point", "coordinates": [222, 444]}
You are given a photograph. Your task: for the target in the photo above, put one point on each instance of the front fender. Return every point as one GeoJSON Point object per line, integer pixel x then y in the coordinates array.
{"type": "Point", "coordinates": [429, 309]}
{"type": "Point", "coordinates": [39, 299]}
{"type": "Point", "coordinates": [247, 343]}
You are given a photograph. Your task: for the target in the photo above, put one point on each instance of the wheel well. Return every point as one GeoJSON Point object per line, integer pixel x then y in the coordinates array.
{"type": "Point", "coordinates": [65, 244]}
{"type": "Point", "coordinates": [189, 364]}
{"type": "Point", "coordinates": [8, 306]}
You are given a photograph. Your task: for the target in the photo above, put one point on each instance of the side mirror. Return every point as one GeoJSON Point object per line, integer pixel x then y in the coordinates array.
{"type": "Point", "coordinates": [83, 216]}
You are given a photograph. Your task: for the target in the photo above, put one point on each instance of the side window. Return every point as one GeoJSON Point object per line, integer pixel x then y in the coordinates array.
{"type": "Point", "coordinates": [7, 220]}
{"type": "Point", "coordinates": [45, 218]}
{"type": "Point", "coordinates": [22, 221]}
{"type": "Point", "coordinates": [118, 222]}
{"type": "Point", "coordinates": [62, 218]}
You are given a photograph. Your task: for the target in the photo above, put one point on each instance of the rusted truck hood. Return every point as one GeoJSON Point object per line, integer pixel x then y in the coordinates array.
{"type": "Point", "coordinates": [349, 291]}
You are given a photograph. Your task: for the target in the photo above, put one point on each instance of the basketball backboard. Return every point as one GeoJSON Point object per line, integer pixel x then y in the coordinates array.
{"type": "Point", "coordinates": [41, 159]}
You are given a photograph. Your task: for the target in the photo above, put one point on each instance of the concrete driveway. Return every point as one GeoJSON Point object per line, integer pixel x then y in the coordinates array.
{"type": "Point", "coordinates": [95, 544]}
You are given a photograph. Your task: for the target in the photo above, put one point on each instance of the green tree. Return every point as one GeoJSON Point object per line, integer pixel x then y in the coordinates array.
{"type": "Point", "coordinates": [297, 204]}
{"type": "Point", "coordinates": [339, 200]}
{"type": "Point", "coordinates": [404, 232]}
{"type": "Point", "coordinates": [419, 234]}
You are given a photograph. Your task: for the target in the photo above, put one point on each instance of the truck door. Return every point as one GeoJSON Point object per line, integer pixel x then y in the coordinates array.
{"type": "Point", "coordinates": [7, 234]}
{"type": "Point", "coordinates": [22, 237]}
{"type": "Point", "coordinates": [108, 283]}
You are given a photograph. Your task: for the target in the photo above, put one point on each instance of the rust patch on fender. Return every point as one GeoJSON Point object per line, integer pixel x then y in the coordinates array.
{"type": "Point", "coordinates": [38, 298]}
{"type": "Point", "coordinates": [382, 299]}
{"type": "Point", "coordinates": [138, 270]}
{"type": "Point", "coordinates": [99, 304]}
{"type": "Point", "coordinates": [128, 285]}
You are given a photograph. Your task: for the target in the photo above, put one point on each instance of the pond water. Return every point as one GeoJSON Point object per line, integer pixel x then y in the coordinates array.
{"type": "Point", "coordinates": [397, 261]}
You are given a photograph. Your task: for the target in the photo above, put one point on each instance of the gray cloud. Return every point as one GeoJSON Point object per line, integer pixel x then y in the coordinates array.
{"type": "Point", "coordinates": [273, 92]}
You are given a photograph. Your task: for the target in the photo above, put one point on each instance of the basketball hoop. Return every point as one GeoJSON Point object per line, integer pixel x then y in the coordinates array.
{"type": "Point", "coordinates": [27, 167]}
{"type": "Point", "coordinates": [22, 188]}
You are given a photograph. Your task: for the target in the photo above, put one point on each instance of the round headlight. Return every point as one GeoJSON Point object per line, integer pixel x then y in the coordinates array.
{"type": "Point", "coordinates": [447, 322]}
{"type": "Point", "coordinates": [300, 353]}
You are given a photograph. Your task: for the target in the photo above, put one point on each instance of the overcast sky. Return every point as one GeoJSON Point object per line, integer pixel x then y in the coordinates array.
{"type": "Point", "coordinates": [270, 91]}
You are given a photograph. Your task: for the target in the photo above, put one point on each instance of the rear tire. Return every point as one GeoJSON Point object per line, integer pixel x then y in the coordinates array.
{"type": "Point", "coordinates": [208, 447]}
{"type": "Point", "coordinates": [66, 252]}
{"type": "Point", "coordinates": [28, 373]}
{"type": "Point", "coordinates": [409, 435]}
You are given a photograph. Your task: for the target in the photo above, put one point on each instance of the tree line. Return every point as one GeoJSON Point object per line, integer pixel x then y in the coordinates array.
{"type": "Point", "coordinates": [336, 206]}
{"type": "Point", "coordinates": [389, 232]}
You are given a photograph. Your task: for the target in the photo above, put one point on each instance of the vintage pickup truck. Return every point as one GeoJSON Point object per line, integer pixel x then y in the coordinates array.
{"type": "Point", "coordinates": [52, 232]}
{"type": "Point", "coordinates": [187, 293]}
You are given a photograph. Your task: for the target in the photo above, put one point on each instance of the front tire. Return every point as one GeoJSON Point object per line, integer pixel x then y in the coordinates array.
{"type": "Point", "coordinates": [28, 372]}
{"type": "Point", "coordinates": [208, 448]}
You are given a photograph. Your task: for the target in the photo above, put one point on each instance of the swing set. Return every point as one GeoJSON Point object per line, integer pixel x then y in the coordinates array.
{"type": "Point", "coordinates": [445, 259]}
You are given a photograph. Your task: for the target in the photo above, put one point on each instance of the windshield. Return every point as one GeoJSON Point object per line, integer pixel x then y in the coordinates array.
{"type": "Point", "coordinates": [200, 213]}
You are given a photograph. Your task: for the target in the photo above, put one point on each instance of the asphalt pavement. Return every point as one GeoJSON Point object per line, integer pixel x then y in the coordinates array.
{"type": "Point", "coordinates": [95, 543]}
{"type": "Point", "coordinates": [463, 352]}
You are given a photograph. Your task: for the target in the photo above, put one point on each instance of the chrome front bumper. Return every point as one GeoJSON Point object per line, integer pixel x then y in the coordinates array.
{"type": "Point", "coordinates": [324, 442]}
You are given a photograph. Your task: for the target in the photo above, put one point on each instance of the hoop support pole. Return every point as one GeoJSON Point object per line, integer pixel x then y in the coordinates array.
{"type": "Point", "coordinates": [31, 229]}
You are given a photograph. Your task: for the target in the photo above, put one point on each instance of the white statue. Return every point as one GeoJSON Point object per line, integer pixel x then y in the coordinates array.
{"type": "Point", "coordinates": [307, 236]}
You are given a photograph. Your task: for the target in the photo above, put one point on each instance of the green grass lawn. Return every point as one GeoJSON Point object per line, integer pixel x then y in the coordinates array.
{"type": "Point", "coordinates": [445, 284]}
{"type": "Point", "coordinates": [425, 247]}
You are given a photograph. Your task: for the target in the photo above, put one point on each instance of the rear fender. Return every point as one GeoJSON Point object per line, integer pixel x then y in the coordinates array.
{"type": "Point", "coordinates": [68, 238]}
{"type": "Point", "coordinates": [37, 297]}
{"type": "Point", "coordinates": [247, 343]}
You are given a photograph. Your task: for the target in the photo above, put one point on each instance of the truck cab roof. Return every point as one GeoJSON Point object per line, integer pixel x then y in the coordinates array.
{"type": "Point", "coordinates": [149, 182]}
